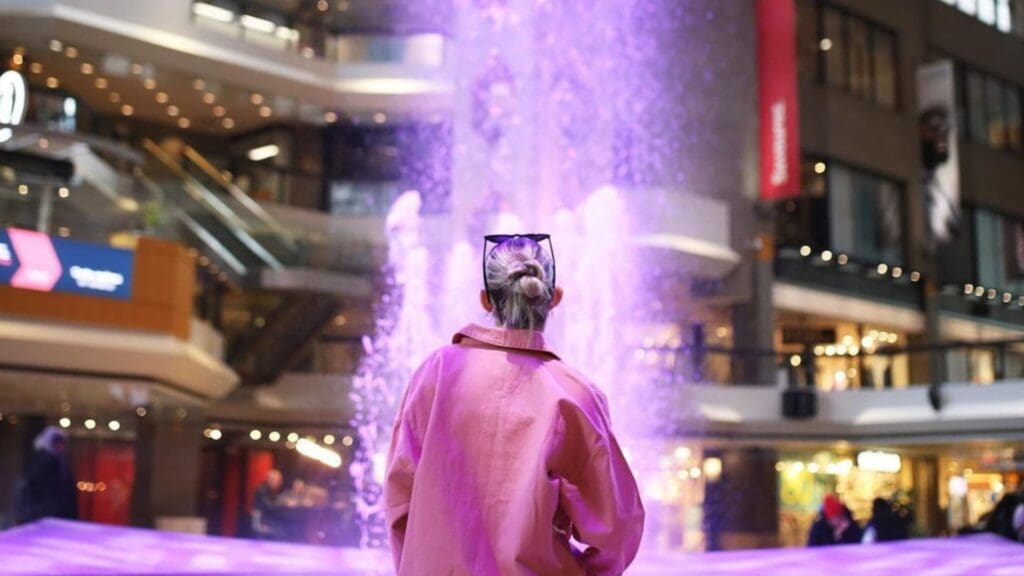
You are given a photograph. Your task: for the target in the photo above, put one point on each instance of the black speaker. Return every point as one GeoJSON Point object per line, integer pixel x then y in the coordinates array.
{"type": "Point", "coordinates": [799, 403]}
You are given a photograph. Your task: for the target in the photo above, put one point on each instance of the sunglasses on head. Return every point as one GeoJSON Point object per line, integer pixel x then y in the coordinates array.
{"type": "Point", "coordinates": [495, 240]}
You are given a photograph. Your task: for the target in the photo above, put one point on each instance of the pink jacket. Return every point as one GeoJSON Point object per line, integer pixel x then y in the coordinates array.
{"type": "Point", "coordinates": [500, 452]}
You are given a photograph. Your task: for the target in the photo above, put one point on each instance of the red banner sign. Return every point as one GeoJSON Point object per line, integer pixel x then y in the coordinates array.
{"type": "Point", "coordinates": [780, 133]}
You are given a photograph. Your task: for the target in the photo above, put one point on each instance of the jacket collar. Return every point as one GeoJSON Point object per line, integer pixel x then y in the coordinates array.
{"type": "Point", "coordinates": [505, 338]}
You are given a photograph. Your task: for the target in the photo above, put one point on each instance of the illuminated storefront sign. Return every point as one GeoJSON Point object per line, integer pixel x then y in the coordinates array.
{"type": "Point", "coordinates": [34, 261]}
{"type": "Point", "coordinates": [13, 98]}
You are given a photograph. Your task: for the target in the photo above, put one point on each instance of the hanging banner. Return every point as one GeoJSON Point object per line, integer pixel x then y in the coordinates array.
{"type": "Point", "coordinates": [34, 261]}
{"type": "Point", "coordinates": [936, 94]}
{"type": "Point", "coordinates": [780, 132]}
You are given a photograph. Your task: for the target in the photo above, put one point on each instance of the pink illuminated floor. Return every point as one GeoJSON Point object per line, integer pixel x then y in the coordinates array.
{"type": "Point", "coordinates": [54, 547]}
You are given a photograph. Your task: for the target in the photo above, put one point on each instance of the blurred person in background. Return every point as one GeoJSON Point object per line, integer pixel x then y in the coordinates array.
{"type": "Point", "coordinates": [885, 524]}
{"type": "Point", "coordinates": [266, 506]}
{"type": "Point", "coordinates": [48, 488]}
{"type": "Point", "coordinates": [1007, 518]}
{"type": "Point", "coordinates": [834, 525]}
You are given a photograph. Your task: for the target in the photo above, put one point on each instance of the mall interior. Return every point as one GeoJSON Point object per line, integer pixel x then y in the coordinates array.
{"type": "Point", "coordinates": [197, 206]}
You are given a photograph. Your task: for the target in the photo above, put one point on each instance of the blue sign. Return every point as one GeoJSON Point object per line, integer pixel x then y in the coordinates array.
{"type": "Point", "coordinates": [34, 261]}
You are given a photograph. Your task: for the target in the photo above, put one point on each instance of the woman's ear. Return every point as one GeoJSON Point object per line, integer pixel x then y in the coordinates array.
{"type": "Point", "coordinates": [556, 298]}
{"type": "Point", "coordinates": [485, 301]}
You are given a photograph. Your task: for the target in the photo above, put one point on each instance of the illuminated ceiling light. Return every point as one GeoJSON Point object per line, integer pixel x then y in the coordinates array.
{"type": "Point", "coordinates": [805, 250]}
{"type": "Point", "coordinates": [343, 6]}
{"type": "Point", "coordinates": [71, 52]}
{"type": "Point", "coordinates": [228, 123]}
{"type": "Point", "coordinates": [141, 411]}
{"type": "Point", "coordinates": [915, 276]}
{"type": "Point", "coordinates": [991, 293]}
{"type": "Point", "coordinates": [1007, 297]}
{"type": "Point", "coordinates": [216, 434]}
{"type": "Point", "coordinates": [199, 84]}
{"type": "Point", "coordinates": [322, 5]}
{"type": "Point", "coordinates": [286, 33]}
{"type": "Point", "coordinates": [819, 167]}
{"type": "Point", "coordinates": [325, 456]}
{"type": "Point", "coordinates": [87, 68]}
{"type": "Point", "coordinates": [882, 269]}
{"type": "Point", "coordinates": [56, 45]}
{"type": "Point", "coordinates": [329, 439]}
{"type": "Point", "coordinates": [101, 83]}
{"type": "Point", "coordinates": [897, 272]}
{"type": "Point", "coordinates": [149, 84]}
{"type": "Point", "coordinates": [265, 111]}
{"type": "Point", "coordinates": [173, 111]}
{"type": "Point", "coordinates": [137, 69]}
{"type": "Point", "coordinates": [825, 44]}
{"type": "Point", "coordinates": [256, 98]}
{"type": "Point", "coordinates": [842, 259]}
{"type": "Point", "coordinates": [293, 437]}
{"type": "Point", "coordinates": [968, 289]}
{"type": "Point", "coordinates": [274, 436]}
{"type": "Point", "coordinates": [219, 111]}
{"type": "Point", "coordinates": [184, 122]}
{"type": "Point", "coordinates": [979, 291]}
{"type": "Point", "coordinates": [65, 422]}
{"type": "Point", "coordinates": [127, 110]}
{"type": "Point", "coordinates": [70, 107]}
{"type": "Point", "coordinates": [795, 360]}
{"type": "Point", "coordinates": [261, 153]}
{"type": "Point", "coordinates": [52, 82]}
{"type": "Point", "coordinates": [213, 12]}
{"type": "Point", "coordinates": [209, 97]}
{"type": "Point", "coordinates": [35, 68]}
{"type": "Point", "coordinates": [826, 256]}
{"type": "Point", "coordinates": [340, 320]}
{"type": "Point", "coordinates": [90, 423]}
{"type": "Point", "coordinates": [63, 192]}
{"type": "Point", "coordinates": [5, 134]}
{"type": "Point", "coordinates": [44, 143]}
{"type": "Point", "coordinates": [347, 441]}
{"type": "Point", "coordinates": [380, 118]}
{"type": "Point", "coordinates": [161, 97]}
{"type": "Point", "coordinates": [23, 189]}
{"type": "Point", "coordinates": [114, 425]}
{"type": "Point", "coordinates": [330, 117]}
{"type": "Point", "coordinates": [257, 24]}
{"type": "Point", "coordinates": [17, 59]}
{"type": "Point", "coordinates": [115, 97]}
{"type": "Point", "coordinates": [255, 434]}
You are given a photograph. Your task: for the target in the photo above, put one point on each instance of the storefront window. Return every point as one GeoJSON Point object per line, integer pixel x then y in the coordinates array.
{"type": "Point", "coordinates": [993, 111]}
{"type": "Point", "coordinates": [865, 216]}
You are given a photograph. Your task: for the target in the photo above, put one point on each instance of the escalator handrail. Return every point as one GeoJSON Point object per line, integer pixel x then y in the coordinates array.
{"type": "Point", "coordinates": [236, 225]}
{"type": "Point", "coordinates": [215, 246]}
{"type": "Point", "coordinates": [239, 195]}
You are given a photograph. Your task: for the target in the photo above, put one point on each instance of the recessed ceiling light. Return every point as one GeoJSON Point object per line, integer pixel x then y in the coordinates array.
{"type": "Point", "coordinates": [86, 68]}
{"type": "Point", "coordinates": [380, 118]}
{"type": "Point", "coordinates": [35, 68]}
{"type": "Point", "coordinates": [63, 192]}
{"type": "Point", "coordinates": [43, 143]}
{"type": "Point", "coordinates": [127, 110]}
{"type": "Point", "coordinates": [172, 110]}
{"type": "Point", "coordinates": [330, 117]}
{"type": "Point", "coordinates": [184, 122]}
{"type": "Point", "coordinates": [101, 83]}
{"type": "Point", "coordinates": [256, 98]}
{"type": "Point", "coordinates": [199, 83]}
{"type": "Point", "coordinates": [228, 123]}
{"type": "Point", "coordinates": [17, 59]}
{"type": "Point", "coordinates": [52, 82]}
{"type": "Point", "coordinates": [71, 52]}
{"type": "Point", "coordinates": [209, 97]}
{"type": "Point", "coordinates": [149, 84]}
{"type": "Point", "coordinates": [322, 5]}
{"type": "Point", "coordinates": [115, 97]}
{"type": "Point", "coordinates": [56, 45]}
{"type": "Point", "coordinates": [162, 97]}
{"type": "Point", "coordinates": [137, 68]}
{"type": "Point", "coordinates": [219, 111]}
{"type": "Point", "coordinates": [265, 111]}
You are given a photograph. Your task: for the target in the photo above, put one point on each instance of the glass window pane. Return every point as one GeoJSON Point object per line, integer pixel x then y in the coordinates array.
{"type": "Point", "coordinates": [1013, 114]}
{"type": "Point", "coordinates": [884, 56]}
{"type": "Point", "coordinates": [1004, 15]}
{"type": "Point", "coordinates": [835, 49]}
{"type": "Point", "coordinates": [807, 40]}
{"type": "Point", "coordinates": [860, 65]}
{"type": "Point", "coordinates": [987, 11]}
{"type": "Point", "coordinates": [976, 107]}
{"type": "Point", "coordinates": [842, 210]}
{"type": "Point", "coordinates": [996, 115]}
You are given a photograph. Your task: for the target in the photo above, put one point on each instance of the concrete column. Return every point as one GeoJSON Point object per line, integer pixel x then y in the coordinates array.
{"type": "Point", "coordinates": [753, 319]}
{"type": "Point", "coordinates": [167, 463]}
{"type": "Point", "coordinates": [741, 509]}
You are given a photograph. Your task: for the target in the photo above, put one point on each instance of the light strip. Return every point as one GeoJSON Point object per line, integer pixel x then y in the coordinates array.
{"type": "Point", "coordinates": [264, 152]}
{"type": "Point", "coordinates": [213, 12]}
{"type": "Point", "coordinates": [258, 24]}
{"type": "Point", "coordinates": [325, 456]}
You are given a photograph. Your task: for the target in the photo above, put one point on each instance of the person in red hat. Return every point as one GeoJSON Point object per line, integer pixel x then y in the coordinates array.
{"type": "Point", "coordinates": [834, 524]}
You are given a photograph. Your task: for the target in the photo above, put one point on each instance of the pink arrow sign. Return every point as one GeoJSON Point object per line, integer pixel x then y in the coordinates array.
{"type": "Point", "coordinates": [39, 268]}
